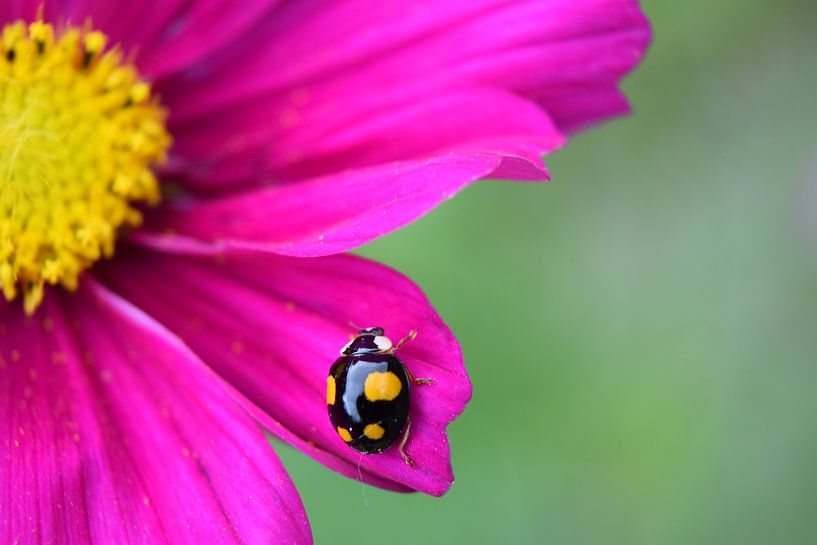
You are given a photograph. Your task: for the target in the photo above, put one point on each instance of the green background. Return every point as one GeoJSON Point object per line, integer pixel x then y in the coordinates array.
{"type": "Point", "coordinates": [641, 331]}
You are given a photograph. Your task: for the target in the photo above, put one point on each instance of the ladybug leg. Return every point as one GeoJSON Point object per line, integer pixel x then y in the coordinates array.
{"type": "Point", "coordinates": [418, 380]}
{"type": "Point", "coordinates": [403, 442]}
{"type": "Point", "coordinates": [408, 338]}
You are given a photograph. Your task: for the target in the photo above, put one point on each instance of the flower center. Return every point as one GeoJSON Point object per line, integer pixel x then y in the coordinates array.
{"type": "Point", "coordinates": [79, 132]}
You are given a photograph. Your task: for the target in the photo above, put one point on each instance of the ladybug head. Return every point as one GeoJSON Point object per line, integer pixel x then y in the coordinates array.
{"type": "Point", "coordinates": [371, 340]}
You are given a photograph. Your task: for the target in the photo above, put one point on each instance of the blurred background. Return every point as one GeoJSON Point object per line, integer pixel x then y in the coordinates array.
{"type": "Point", "coordinates": [641, 332]}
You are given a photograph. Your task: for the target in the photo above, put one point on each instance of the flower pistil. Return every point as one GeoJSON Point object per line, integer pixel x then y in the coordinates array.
{"type": "Point", "coordinates": [79, 133]}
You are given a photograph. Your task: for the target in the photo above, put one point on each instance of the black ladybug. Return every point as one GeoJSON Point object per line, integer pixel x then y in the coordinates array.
{"type": "Point", "coordinates": [368, 393]}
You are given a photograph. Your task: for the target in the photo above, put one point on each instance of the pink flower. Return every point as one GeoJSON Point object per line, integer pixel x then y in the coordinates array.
{"type": "Point", "coordinates": [134, 401]}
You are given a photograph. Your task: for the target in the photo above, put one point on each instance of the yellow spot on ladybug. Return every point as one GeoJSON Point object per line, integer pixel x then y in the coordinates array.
{"type": "Point", "coordinates": [382, 386]}
{"type": "Point", "coordinates": [374, 431]}
{"type": "Point", "coordinates": [344, 434]}
{"type": "Point", "coordinates": [330, 390]}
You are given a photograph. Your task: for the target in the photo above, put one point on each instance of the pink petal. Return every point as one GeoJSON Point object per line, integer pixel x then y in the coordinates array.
{"type": "Point", "coordinates": [200, 29]}
{"type": "Point", "coordinates": [335, 213]}
{"type": "Point", "coordinates": [354, 83]}
{"type": "Point", "coordinates": [130, 23]}
{"type": "Point", "coordinates": [272, 326]}
{"type": "Point", "coordinates": [478, 119]}
{"type": "Point", "coordinates": [116, 433]}
{"type": "Point", "coordinates": [11, 10]}
{"type": "Point", "coordinates": [167, 35]}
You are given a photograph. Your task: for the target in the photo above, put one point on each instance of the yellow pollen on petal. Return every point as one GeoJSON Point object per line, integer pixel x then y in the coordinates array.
{"type": "Point", "coordinates": [79, 133]}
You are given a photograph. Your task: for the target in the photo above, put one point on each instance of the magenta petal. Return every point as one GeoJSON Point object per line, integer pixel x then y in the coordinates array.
{"type": "Point", "coordinates": [11, 10]}
{"type": "Point", "coordinates": [198, 30]}
{"type": "Point", "coordinates": [130, 23]}
{"type": "Point", "coordinates": [347, 84]}
{"type": "Point", "coordinates": [271, 326]}
{"type": "Point", "coordinates": [167, 36]}
{"type": "Point", "coordinates": [335, 213]}
{"type": "Point", "coordinates": [114, 432]}
{"type": "Point", "coordinates": [398, 125]}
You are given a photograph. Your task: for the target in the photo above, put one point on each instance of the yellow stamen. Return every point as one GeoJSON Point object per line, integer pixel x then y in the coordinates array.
{"type": "Point", "coordinates": [79, 133]}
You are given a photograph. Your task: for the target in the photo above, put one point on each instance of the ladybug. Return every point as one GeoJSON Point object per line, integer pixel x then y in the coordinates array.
{"type": "Point", "coordinates": [368, 392]}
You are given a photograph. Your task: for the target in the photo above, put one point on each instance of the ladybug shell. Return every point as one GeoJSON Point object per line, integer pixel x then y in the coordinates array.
{"type": "Point", "coordinates": [367, 397]}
